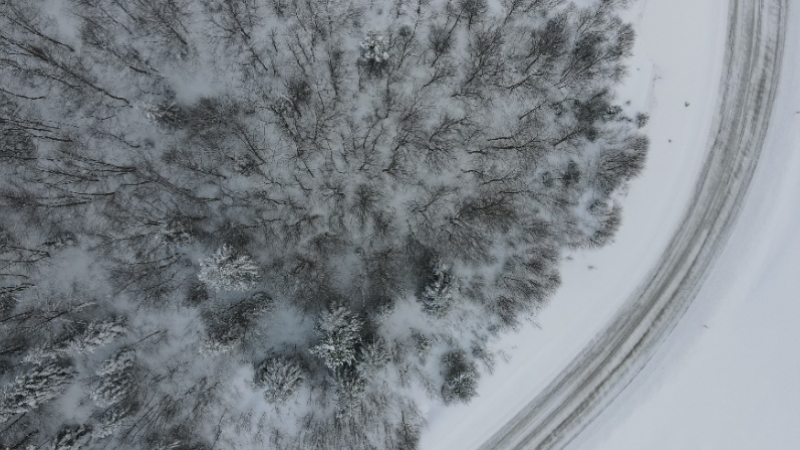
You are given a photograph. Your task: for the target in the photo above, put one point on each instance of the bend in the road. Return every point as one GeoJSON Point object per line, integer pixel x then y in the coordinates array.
{"type": "Point", "coordinates": [753, 55]}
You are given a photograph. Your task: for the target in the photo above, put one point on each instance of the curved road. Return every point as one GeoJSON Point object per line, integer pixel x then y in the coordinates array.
{"type": "Point", "coordinates": [753, 55]}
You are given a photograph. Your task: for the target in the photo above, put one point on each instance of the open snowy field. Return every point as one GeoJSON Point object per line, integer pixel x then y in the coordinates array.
{"type": "Point", "coordinates": [675, 76]}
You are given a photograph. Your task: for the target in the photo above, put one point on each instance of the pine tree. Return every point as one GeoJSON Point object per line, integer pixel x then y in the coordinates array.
{"type": "Point", "coordinates": [156, 113]}
{"type": "Point", "coordinates": [116, 379]}
{"type": "Point", "coordinates": [39, 385]}
{"type": "Point", "coordinates": [97, 334]}
{"type": "Point", "coordinates": [340, 332]}
{"type": "Point", "coordinates": [351, 385]}
{"type": "Point", "coordinates": [407, 433]}
{"type": "Point", "coordinates": [217, 345]}
{"type": "Point", "coordinates": [374, 54]}
{"type": "Point", "coordinates": [228, 326]}
{"type": "Point", "coordinates": [372, 357]}
{"type": "Point", "coordinates": [72, 437]}
{"type": "Point", "coordinates": [460, 378]}
{"type": "Point", "coordinates": [437, 295]}
{"type": "Point", "coordinates": [224, 271]}
{"type": "Point", "coordinates": [110, 420]}
{"type": "Point", "coordinates": [280, 376]}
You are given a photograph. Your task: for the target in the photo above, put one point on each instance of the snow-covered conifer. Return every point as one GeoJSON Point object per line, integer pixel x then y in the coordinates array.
{"type": "Point", "coordinates": [155, 112]}
{"type": "Point", "coordinates": [39, 354]}
{"type": "Point", "coordinates": [472, 10]}
{"type": "Point", "coordinates": [39, 385]}
{"type": "Point", "coordinates": [340, 332]}
{"type": "Point", "coordinates": [280, 376]}
{"type": "Point", "coordinates": [72, 437]}
{"type": "Point", "coordinates": [116, 379]}
{"type": "Point", "coordinates": [179, 445]}
{"type": "Point", "coordinates": [173, 234]}
{"type": "Point", "coordinates": [421, 342]}
{"type": "Point", "coordinates": [374, 54]}
{"type": "Point", "coordinates": [350, 388]}
{"type": "Point", "coordinates": [642, 119]}
{"type": "Point", "coordinates": [408, 431]}
{"type": "Point", "coordinates": [110, 420]}
{"type": "Point", "coordinates": [96, 335]}
{"type": "Point", "coordinates": [460, 377]}
{"type": "Point", "coordinates": [225, 271]}
{"type": "Point", "coordinates": [215, 346]}
{"type": "Point", "coordinates": [372, 357]}
{"type": "Point", "coordinates": [228, 326]}
{"type": "Point", "coordinates": [437, 295]}
{"type": "Point", "coordinates": [60, 241]}
{"type": "Point", "coordinates": [120, 361]}
{"type": "Point", "coordinates": [15, 144]}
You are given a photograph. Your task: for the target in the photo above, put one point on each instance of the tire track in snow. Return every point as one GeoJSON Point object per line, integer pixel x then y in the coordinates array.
{"type": "Point", "coordinates": [751, 69]}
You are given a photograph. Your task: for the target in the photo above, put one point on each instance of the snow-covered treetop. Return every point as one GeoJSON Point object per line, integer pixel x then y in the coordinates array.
{"type": "Point", "coordinates": [340, 332]}
{"type": "Point", "coordinates": [40, 384]}
{"type": "Point", "coordinates": [374, 48]}
{"type": "Point", "coordinates": [97, 334]}
{"type": "Point", "coordinates": [225, 271]}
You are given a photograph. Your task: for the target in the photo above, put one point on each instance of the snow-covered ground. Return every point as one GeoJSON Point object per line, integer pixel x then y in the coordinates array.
{"type": "Point", "coordinates": [678, 60]}
{"type": "Point", "coordinates": [728, 376]}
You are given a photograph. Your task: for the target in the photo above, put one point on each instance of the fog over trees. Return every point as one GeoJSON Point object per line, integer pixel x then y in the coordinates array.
{"type": "Point", "coordinates": [275, 224]}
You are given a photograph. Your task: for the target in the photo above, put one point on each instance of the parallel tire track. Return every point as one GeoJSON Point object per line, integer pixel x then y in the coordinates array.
{"type": "Point", "coordinates": [753, 54]}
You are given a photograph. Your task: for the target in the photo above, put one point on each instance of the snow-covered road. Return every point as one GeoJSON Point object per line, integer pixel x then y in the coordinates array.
{"type": "Point", "coordinates": [597, 375]}
{"type": "Point", "coordinates": [728, 376]}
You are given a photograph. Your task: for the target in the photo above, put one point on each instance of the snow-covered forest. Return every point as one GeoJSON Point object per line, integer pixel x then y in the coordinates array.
{"type": "Point", "coordinates": [276, 224]}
